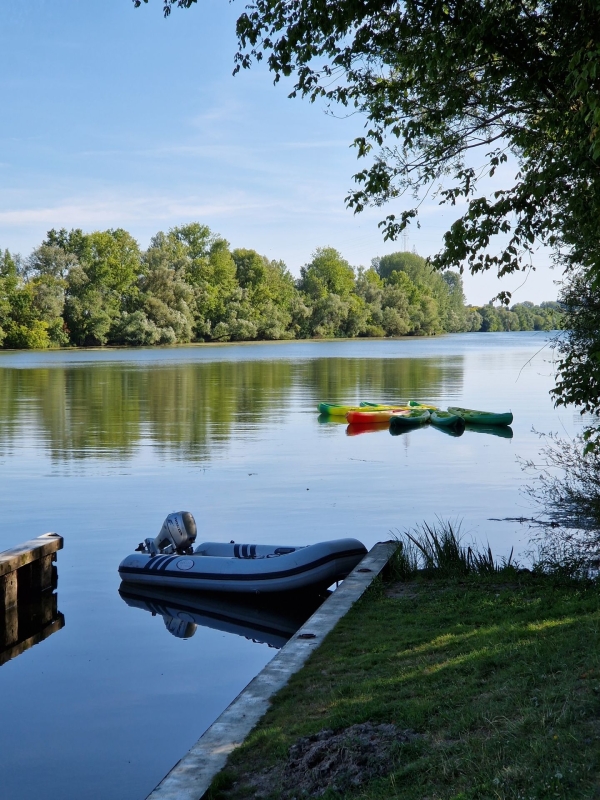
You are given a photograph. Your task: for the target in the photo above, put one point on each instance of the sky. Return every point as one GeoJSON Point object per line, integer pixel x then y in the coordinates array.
{"type": "Point", "coordinates": [116, 117]}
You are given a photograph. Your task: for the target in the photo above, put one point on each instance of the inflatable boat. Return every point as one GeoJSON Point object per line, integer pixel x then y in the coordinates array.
{"type": "Point", "coordinates": [171, 560]}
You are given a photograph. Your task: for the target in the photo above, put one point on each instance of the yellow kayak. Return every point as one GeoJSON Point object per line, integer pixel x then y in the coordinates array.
{"type": "Point", "coordinates": [408, 404]}
{"type": "Point", "coordinates": [334, 410]}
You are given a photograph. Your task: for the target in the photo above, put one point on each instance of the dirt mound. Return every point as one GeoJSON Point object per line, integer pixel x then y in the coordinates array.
{"type": "Point", "coordinates": [341, 761]}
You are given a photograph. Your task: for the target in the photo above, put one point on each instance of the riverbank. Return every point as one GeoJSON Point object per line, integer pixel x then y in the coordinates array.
{"type": "Point", "coordinates": [485, 687]}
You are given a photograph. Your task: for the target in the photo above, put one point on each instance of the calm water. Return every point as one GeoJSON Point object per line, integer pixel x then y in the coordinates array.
{"type": "Point", "coordinates": [101, 445]}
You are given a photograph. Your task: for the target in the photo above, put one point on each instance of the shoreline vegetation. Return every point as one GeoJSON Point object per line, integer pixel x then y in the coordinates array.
{"type": "Point", "coordinates": [94, 289]}
{"type": "Point", "coordinates": [456, 676]}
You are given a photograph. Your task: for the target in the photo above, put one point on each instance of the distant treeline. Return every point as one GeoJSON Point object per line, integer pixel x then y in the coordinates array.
{"type": "Point", "coordinates": [99, 288]}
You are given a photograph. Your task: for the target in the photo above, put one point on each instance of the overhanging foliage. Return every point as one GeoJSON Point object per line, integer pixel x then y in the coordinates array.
{"type": "Point", "coordinates": [445, 85]}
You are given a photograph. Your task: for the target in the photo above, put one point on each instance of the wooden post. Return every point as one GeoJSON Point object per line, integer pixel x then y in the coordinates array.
{"type": "Point", "coordinates": [41, 573]}
{"type": "Point", "coordinates": [9, 630]}
{"type": "Point", "coordinates": [48, 608]}
{"type": "Point", "coordinates": [8, 590]}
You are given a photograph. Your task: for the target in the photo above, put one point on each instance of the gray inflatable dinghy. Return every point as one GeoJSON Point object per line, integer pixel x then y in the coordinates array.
{"type": "Point", "coordinates": [171, 560]}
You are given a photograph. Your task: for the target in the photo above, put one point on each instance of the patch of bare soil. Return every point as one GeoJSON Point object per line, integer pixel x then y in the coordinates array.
{"type": "Point", "coordinates": [341, 761]}
{"type": "Point", "coordinates": [404, 590]}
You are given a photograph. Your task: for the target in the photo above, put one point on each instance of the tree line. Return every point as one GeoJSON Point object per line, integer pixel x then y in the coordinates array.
{"type": "Point", "coordinates": [100, 288]}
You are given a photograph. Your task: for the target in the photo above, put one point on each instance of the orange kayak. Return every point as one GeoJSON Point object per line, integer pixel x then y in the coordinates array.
{"type": "Point", "coordinates": [365, 417]}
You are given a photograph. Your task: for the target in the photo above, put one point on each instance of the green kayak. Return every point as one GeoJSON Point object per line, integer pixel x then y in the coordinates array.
{"type": "Point", "coordinates": [410, 420]}
{"type": "Point", "coordinates": [408, 404]}
{"type": "Point", "coordinates": [481, 417]}
{"type": "Point", "coordinates": [444, 419]}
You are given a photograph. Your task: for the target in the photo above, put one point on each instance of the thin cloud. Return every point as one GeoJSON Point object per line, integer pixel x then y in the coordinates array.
{"type": "Point", "coordinates": [92, 212]}
{"type": "Point", "coordinates": [211, 150]}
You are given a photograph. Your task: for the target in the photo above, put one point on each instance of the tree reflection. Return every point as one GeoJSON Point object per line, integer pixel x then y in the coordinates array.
{"type": "Point", "coordinates": [189, 410]}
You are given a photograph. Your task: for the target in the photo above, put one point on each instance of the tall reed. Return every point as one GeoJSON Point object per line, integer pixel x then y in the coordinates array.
{"type": "Point", "coordinates": [438, 549]}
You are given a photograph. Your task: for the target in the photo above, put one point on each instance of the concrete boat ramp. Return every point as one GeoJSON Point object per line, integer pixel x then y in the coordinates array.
{"type": "Point", "coordinates": [191, 777]}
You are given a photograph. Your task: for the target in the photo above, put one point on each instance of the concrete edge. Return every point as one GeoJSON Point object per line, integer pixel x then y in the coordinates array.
{"type": "Point", "coordinates": [190, 778]}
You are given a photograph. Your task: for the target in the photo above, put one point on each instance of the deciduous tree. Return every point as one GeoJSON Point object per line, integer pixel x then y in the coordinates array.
{"type": "Point", "coordinates": [451, 90]}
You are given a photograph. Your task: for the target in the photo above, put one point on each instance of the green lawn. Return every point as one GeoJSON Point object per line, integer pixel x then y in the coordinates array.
{"type": "Point", "coordinates": [497, 682]}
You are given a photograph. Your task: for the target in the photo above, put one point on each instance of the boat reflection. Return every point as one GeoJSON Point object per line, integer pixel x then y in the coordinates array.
{"type": "Point", "coordinates": [324, 419]}
{"type": "Point", "coordinates": [394, 431]}
{"type": "Point", "coordinates": [370, 427]}
{"type": "Point", "coordinates": [504, 431]}
{"type": "Point", "coordinates": [270, 621]}
{"type": "Point", "coordinates": [458, 430]}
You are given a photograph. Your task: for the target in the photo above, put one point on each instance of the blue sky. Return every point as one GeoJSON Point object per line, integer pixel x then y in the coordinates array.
{"type": "Point", "coordinates": [116, 117]}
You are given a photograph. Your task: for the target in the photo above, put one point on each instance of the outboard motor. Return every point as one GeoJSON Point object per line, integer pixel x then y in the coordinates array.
{"type": "Point", "coordinates": [177, 535]}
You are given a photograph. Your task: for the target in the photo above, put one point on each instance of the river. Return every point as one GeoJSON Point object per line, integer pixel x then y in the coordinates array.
{"type": "Point", "coordinates": [99, 445]}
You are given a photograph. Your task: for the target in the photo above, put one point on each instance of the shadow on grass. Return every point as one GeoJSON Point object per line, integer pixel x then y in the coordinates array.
{"type": "Point", "coordinates": [498, 679]}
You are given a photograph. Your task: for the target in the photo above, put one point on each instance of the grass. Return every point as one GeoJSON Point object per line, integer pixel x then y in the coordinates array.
{"type": "Point", "coordinates": [498, 672]}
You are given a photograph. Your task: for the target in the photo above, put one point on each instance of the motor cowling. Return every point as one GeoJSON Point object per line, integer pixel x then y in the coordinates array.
{"type": "Point", "coordinates": [177, 535]}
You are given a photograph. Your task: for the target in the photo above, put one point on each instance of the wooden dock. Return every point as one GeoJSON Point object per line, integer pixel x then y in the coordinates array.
{"type": "Point", "coordinates": [28, 568]}
{"type": "Point", "coordinates": [28, 604]}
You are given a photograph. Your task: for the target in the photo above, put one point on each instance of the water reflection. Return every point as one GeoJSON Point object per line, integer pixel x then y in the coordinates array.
{"type": "Point", "coordinates": [371, 427]}
{"type": "Point", "coordinates": [325, 419]}
{"type": "Point", "coordinates": [189, 410]}
{"type": "Point", "coordinates": [503, 431]}
{"type": "Point", "coordinates": [269, 621]}
{"type": "Point", "coordinates": [394, 431]}
{"type": "Point", "coordinates": [27, 624]}
{"type": "Point", "coordinates": [455, 432]}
